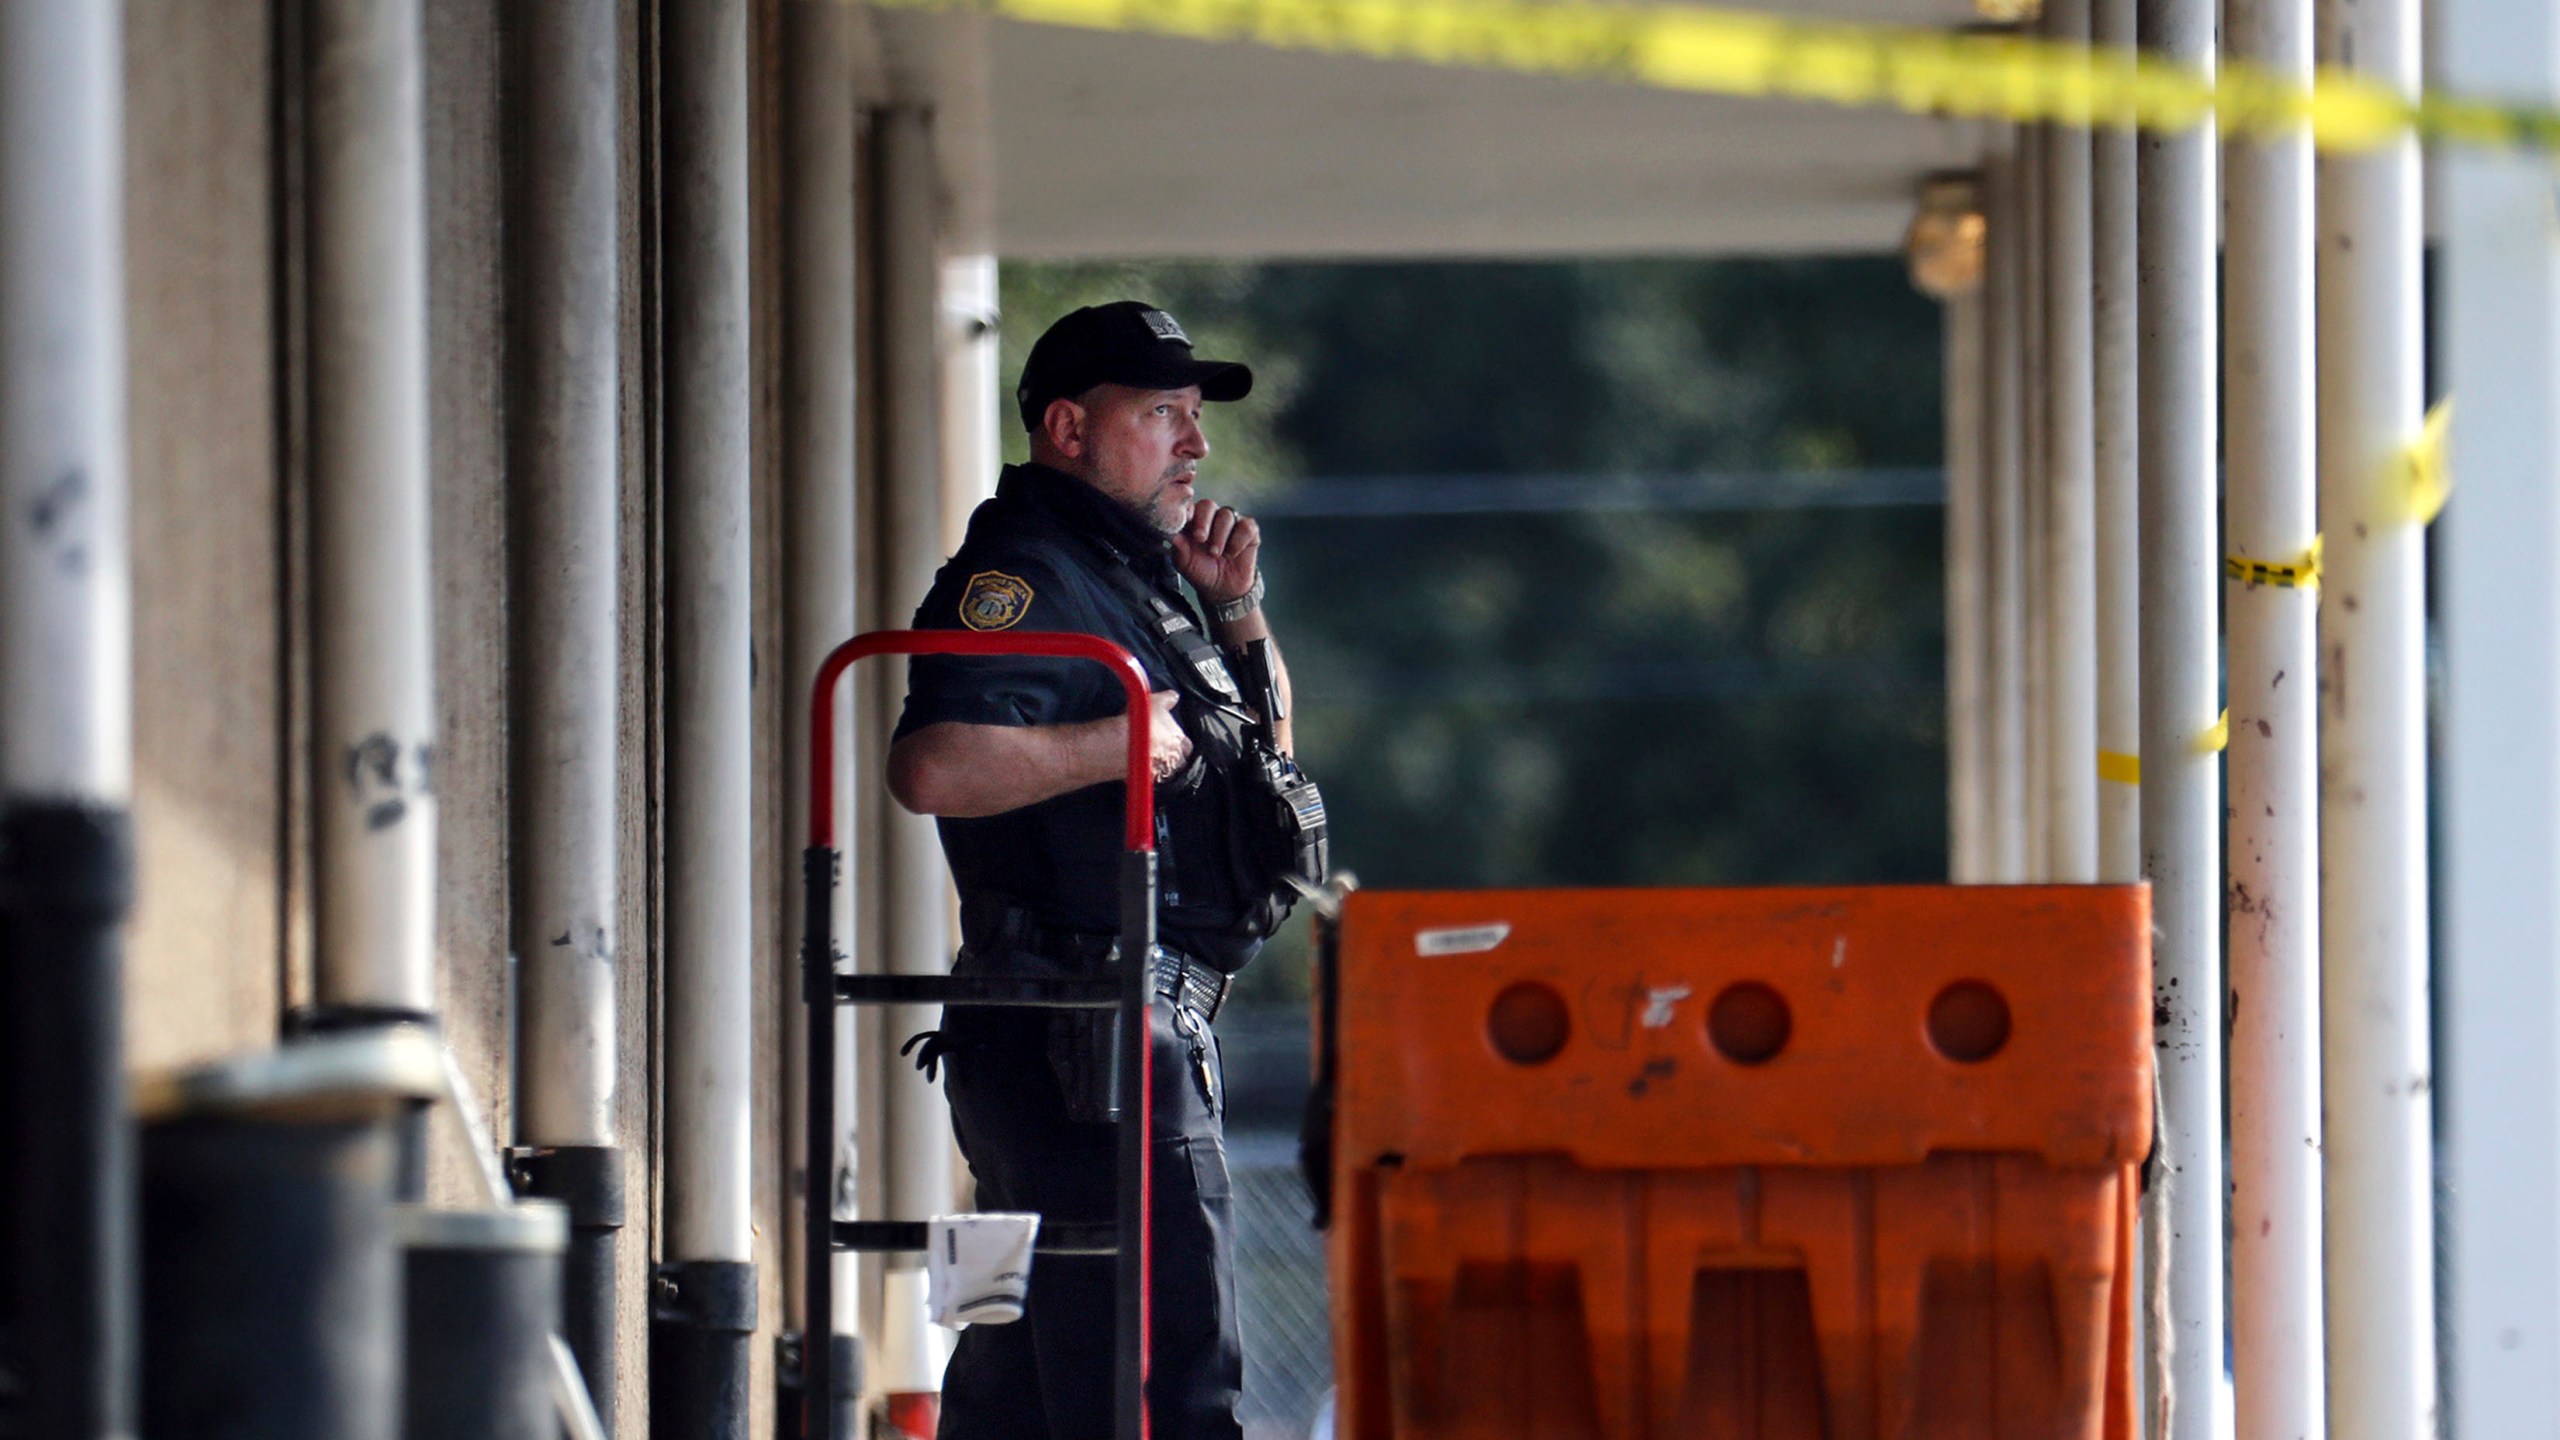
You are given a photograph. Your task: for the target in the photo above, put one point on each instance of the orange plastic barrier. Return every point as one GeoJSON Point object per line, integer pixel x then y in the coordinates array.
{"type": "Point", "coordinates": [1811, 1164]}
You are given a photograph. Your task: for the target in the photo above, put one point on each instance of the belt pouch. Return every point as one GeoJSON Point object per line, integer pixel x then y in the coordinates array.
{"type": "Point", "coordinates": [1083, 1055]}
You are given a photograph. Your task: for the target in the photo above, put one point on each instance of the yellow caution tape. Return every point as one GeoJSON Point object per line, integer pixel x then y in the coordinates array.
{"type": "Point", "coordinates": [2119, 767]}
{"type": "Point", "coordinates": [1699, 48]}
{"type": "Point", "coordinates": [2217, 739]}
{"type": "Point", "coordinates": [2302, 573]}
{"type": "Point", "coordinates": [2427, 478]}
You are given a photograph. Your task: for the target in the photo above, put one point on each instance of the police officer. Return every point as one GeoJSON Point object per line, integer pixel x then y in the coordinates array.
{"type": "Point", "coordinates": [1022, 760]}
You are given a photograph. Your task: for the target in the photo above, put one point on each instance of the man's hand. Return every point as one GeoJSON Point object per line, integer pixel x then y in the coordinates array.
{"type": "Point", "coordinates": [1217, 550]}
{"type": "Point", "coordinates": [1168, 748]}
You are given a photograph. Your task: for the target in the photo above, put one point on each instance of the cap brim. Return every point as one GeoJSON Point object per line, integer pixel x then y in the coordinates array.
{"type": "Point", "coordinates": [1217, 379]}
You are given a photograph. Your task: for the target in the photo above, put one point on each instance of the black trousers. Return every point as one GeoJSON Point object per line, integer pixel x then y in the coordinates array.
{"type": "Point", "coordinates": [1052, 1374]}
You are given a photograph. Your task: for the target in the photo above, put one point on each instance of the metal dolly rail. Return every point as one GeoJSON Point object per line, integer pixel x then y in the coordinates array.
{"type": "Point", "coordinates": [1129, 995]}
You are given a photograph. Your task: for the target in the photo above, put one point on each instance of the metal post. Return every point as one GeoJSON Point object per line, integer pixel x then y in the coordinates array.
{"type": "Point", "coordinates": [2499, 334]}
{"type": "Point", "coordinates": [1967, 616]}
{"type": "Point", "coordinates": [373, 665]}
{"type": "Point", "coordinates": [2181, 811]}
{"type": "Point", "coordinates": [2272, 891]}
{"type": "Point", "coordinates": [704, 1308]}
{"type": "Point", "coordinates": [818, 428]}
{"type": "Point", "coordinates": [2373, 760]}
{"type": "Point", "coordinates": [564, 471]}
{"type": "Point", "coordinates": [2070, 538]}
{"type": "Point", "coordinates": [2035, 504]}
{"type": "Point", "coordinates": [916, 880]}
{"type": "Point", "coordinates": [68, 1312]}
{"type": "Point", "coordinates": [2116, 481]}
{"type": "Point", "coordinates": [2004, 576]}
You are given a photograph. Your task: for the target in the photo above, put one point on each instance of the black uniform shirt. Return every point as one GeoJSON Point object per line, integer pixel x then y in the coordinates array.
{"type": "Point", "coordinates": [1030, 562]}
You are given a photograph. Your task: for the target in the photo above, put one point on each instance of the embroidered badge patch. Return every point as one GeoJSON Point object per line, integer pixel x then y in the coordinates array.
{"type": "Point", "coordinates": [1164, 326]}
{"type": "Point", "coordinates": [994, 601]}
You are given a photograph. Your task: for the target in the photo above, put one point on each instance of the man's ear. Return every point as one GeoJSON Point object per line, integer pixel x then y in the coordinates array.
{"type": "Point", "coordinates": [1062, 425]}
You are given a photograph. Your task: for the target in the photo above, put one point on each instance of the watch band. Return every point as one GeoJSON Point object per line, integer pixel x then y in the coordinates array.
{"type": "Point", "coordinates": [1227, 612]}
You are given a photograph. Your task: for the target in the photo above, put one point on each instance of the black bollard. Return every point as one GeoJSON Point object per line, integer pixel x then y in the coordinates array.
{"type": "Point", "coordinates": [270, 1279]}
{"type": "Point", "coordinates": [483, 1303]}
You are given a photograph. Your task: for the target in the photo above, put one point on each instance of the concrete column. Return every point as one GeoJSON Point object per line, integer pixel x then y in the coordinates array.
{"type": "Point", "coordinates": [2498, 331]}
{"type": "Point", "coordinates": [2181, 815]}
{"type": "Point", "coordinates": [706, 1308]}
{"type": "Point", "coordinates": [2070, 536]}
{"type": "Point", "coordinates": [2373, 760]}
{"type": "Point", "coordinates": [563, 416]}
{"type": "Point", "coordinates": [2273, 887]}
{"type": "Point", "coordinates": [373, 661]}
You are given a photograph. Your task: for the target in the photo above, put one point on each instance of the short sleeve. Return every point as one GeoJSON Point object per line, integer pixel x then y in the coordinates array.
{"type": "Point", "coordinates": [990, 595]}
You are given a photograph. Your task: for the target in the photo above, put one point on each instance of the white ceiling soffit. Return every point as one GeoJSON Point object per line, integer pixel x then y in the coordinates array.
{"type": "Point", "coordinates": [1064, 144]}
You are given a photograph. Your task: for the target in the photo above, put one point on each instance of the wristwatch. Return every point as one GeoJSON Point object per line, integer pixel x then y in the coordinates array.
{"type": "Point", "coordinates": [1227, 612]}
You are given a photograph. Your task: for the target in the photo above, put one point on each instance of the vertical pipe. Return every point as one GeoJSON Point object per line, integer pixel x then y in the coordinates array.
{"type": "Point", "coordinates": [917, 936]}
{"type": "Point", "coordinates": [2181, 804]}
{"type": "Point", "coordinates": [373, 664]}
{"type": "Point", "coordinates": [2373, 778]}
{"type": "Point", "coordinates": [564, 471]}
{"type": "Point", "coordinates": [2004, 763]}
{"type": "Point", "coordinates": [2272, 892]}
{"type": "Point", "coordinates": [2070, 538]}
{"type": "Point", "coordinates": [972, 392]}
{"type": "Point", "coordinates": [2035, 505]}
{"type": "Point", "coordinates": [68, 1306]}
{"type": "Point", "coordinates": [1967, 616]}
{"type": "Point", "coordinates": [705, 1306]}
{"type": "Point", "coordinates": [818, 438]}
{"type": "Point", "coordinates": [2499, 333]}
{"type": "Point", "coordinates": [2113, 451]}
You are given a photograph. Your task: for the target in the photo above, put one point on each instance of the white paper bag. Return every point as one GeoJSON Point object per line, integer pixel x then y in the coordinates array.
{"type": "Point", "coordinates": [978, 1267]}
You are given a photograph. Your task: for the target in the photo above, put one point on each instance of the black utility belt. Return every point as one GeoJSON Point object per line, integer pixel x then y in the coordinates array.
{"type": "Point", "coordinates": [1179, 979]}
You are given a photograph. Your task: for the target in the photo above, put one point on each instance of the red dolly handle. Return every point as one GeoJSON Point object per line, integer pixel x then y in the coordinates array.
{"type": "Point", "coordinates": [1136, 1067]}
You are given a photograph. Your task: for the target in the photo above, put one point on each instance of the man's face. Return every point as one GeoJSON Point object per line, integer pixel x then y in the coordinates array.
{"type": "Point", "coordinates": [1143, 448]}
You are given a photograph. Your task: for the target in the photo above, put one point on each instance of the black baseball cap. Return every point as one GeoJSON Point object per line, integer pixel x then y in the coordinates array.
{"type": "Point", "coordinates": [1127, 342]}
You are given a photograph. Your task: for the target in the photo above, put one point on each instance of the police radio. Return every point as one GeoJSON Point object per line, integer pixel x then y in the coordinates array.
{"type": "Point", "coordinates": [1295, 852]}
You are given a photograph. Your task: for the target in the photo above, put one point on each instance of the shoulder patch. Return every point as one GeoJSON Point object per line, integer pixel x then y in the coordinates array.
{"type": "Point", "coordinates": [994, 601]}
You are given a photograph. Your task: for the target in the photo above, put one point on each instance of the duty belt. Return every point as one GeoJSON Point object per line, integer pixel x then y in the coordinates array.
{"type": "Point", "coordinates": [1179, 979]}
{"type": "Point", "coordinates": [1188, 984]}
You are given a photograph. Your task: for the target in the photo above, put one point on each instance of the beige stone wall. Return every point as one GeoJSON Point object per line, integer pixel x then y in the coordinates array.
{"type": "Point", "coordinates": [205, 954]}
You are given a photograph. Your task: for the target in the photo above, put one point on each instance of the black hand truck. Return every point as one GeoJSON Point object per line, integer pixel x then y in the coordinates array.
{"type": "Point", "coordinates": [1128, 995]}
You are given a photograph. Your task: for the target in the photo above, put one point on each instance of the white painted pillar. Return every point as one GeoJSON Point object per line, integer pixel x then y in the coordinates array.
{"type": "Point", "coordinates": [820, 584]}
{"type": "Point", "coordinates": [2070, 540]}
{"type": "Point", "coordinates": [973, 395]}
{"type": "Point", "coordinates": [66, 720]}
{"type": "Point", "coordinates": [2181, 811]}
{"type": "Point", "coordinates": [710, 779]}
{"type": "Point", "coordinates": [2373, 761]}
{"type": "Point", "coordinates": [1966, 544]}
{"type": "Point", "coordinates": [2272, 892]}
{"type": "Point", "coordinates": [373, 660]}
{"type": "Point", "coordinates": [915, 879]}
{"type": "Point", "coordinates": [2114, 452]}
{"type": "Point", "coordinates": [2035, 505]}
{"type": "Point", "coordinates": [564, 476]}
{"type": "Point", "coordinates": [2498, 332]}
{"type": "Point", "coordinates": [2004, 560]}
